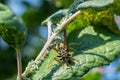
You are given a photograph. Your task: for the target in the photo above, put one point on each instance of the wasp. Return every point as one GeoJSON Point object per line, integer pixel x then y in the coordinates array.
{"type": "Point", "coordinates": [64, 54]}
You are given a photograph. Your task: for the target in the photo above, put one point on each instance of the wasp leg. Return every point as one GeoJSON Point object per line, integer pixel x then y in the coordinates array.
{"type": "Point", "coordinates": [73, 49]}
{"type": "Point", "coordinates": [60, 62]}
{"type": "Point", "coordinates": [67, 62]}
{"type": "Point", "coordinates": [78, 44]}
{"type": "Point", "coordinates": [73, 58]}
{"type": "Point", "coordinates": [56, 49]}
{"type": "Point", "coordinates": [58, 59]}
{"type": "Point", "coordinates": [50, 64]}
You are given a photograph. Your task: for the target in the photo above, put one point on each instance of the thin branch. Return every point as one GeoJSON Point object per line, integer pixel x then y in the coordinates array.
{"type": "Point", "coordinates": [60, 27]}
{"type": "Point", "coordinates": [19, 64]}
{"type": "Point", "coordinates": [40, 56]}
{"type": "Point", "coordinates": [49, 29]}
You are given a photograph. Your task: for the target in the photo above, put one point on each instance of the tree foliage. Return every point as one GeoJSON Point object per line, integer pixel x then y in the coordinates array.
{"type": "Point", "coordinates": [95, 27]}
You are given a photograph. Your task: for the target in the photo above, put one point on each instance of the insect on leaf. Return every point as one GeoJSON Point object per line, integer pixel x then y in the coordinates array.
{"type": "Point", "coordinates": [98, 49]}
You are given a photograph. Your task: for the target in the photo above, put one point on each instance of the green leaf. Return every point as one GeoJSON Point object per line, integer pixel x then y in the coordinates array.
{"type": "Point", "coordinates": [98, 17]}
{"type": "Point", "coordinates": [80, 22]}
{"type": "Point", "coordinates": [56, 17]}
{"type": "Point", "coordinates": [63, 3]}
{"type": "Point", "coordinates": [94, 4]}
{"type": "Point", "coordinates": [100, 47]}
{"type": "Point", "coordinates": [81, 4]}
{"type": "Point", "coordinates": [107, 16]}
{"type": "Point", "coordinates": [92, 75]}
{"type": "Point", "coordinates": [12, 29]}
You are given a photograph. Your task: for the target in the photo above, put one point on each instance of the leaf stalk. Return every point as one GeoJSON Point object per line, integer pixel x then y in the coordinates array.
{"type": "Point", "coordinates": [19, 64]}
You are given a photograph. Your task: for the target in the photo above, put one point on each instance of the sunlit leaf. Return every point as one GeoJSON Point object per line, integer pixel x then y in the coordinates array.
{"type": "Point", "coordinates": [80, 22]}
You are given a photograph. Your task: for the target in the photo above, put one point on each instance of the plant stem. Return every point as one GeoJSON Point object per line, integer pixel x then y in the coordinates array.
{"type": "Point", "coordinates": [49, 29]}
{"type": "Point", "coordinates": [19, 64]}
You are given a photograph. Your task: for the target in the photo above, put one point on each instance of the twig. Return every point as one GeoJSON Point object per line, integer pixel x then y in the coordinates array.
{"type": "Point", "coordinates": [49, 29]}
{"type": "Point", "coordinates": [59, 28]}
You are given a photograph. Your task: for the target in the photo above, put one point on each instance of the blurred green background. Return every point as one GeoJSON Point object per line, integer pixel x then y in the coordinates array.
{"type": "Point", "coordinates": [33, 12]}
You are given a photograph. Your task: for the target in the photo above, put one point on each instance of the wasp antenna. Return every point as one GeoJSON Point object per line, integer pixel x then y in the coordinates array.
{"type": "Point", "coordinates": [65, 38]}
{"type": "Point", "coordinates": [75, 43]}
{"type": "Point", "coordinates": [50, 63]}
{"type": "Point", "coordinates": [43, 41]}
{"type": "Point", "coordinates": [73, 49]}
{"type": "Point", "coordinates": [75, 60]}
{"type": "Point", "coordinates": [68, 64]}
